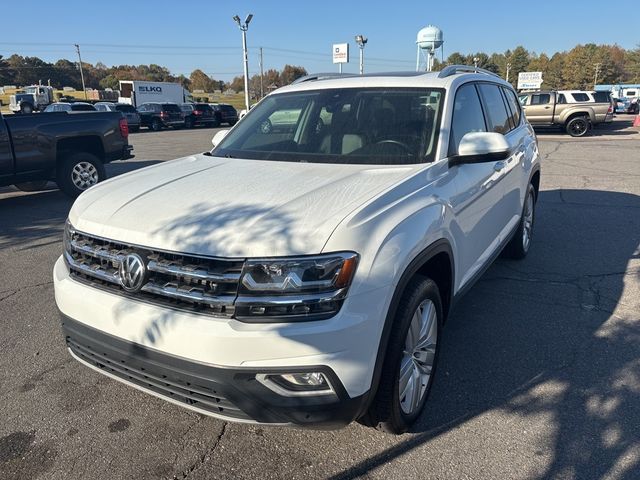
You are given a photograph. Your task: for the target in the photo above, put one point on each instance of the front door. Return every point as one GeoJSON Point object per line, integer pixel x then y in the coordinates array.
{"type": "Point", "coordinates": [539, 109]}
{"type": "Point", "coordinates": [478, 203]}
{"type": "Point", "coordinates": [6, 156]}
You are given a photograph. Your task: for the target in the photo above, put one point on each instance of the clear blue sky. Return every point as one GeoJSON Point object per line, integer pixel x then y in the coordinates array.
{"type": "Point", "coordinates": [301, 32]}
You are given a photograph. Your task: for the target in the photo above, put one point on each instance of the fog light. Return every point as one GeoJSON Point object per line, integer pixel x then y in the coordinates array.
{"type": "Point", "coordinates": [297, 384]}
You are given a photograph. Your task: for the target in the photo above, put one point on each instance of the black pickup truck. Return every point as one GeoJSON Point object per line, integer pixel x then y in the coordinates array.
{"type": "Point", "coordinates": [68, 148]}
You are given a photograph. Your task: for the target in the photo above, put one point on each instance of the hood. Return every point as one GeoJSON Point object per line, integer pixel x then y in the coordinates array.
{"type": "Point", "coordinates": [230, 207]}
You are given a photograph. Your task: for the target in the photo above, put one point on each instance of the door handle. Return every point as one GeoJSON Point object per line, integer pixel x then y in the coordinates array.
{"type": "Point", "coordinates": [499, 165]}
{"type": "Point", "coordinates": [547, 108]}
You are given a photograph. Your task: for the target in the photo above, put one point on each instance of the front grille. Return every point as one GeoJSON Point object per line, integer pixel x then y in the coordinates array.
{"type": "Point", "coordinates": [193, 390]}
{"type": "Point", "coordinates": [198, 284]}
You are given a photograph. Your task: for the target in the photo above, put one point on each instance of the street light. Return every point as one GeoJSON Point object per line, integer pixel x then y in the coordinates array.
{"type": "Point", "coordinates": [244, 27]}
{"type": "Point", "coordinates": [361, 40]}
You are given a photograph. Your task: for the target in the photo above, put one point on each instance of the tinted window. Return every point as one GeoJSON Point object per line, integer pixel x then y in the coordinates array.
{"type": "Point", "coordinates": [467, 116]}
{"type": "Point", "coordinates": [631, 93]}
{"type": "Point", "coordinates": [540, 99]}
{"type": "Point", "coordinates": [171, 107]}
{"type": "Point", "coordinates": [602, 97]}
{"type": "Point", "coordinates": [495, 109]}
{"type": "Point", "coordinates": [186, 108]}
{"type": "Point", "coordinates": [126, 108]}
{"type": "Point", "coordinates": [580, 97]}
{"type": "Point", "coordinates": [514, 106]}
{"type": "Point", "coordinates": [101, 108]}
{"type": "Point", "coordinates": [228, 109]}
{"type": "Point", "coordinates": [202, 106]}
{"type": "Point", "coordinates": [562, 98]}
{"type": "Point", "coordinates": [83, 108]}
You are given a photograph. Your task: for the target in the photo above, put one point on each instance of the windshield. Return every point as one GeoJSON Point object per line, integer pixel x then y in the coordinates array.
{"type": "Point", "coordinates": [386, 126]}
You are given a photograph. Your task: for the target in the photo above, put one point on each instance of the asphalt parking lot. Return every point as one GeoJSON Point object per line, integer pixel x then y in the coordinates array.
{"type": "Point", "coordinates": [539, 374]}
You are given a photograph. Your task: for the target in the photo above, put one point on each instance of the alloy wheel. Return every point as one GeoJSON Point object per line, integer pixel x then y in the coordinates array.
{"type": "Point", "coordinates": [418, 357]}
{"type": "Point", "coordinates": [84, 175]}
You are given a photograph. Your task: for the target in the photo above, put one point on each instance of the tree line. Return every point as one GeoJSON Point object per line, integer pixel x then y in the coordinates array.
{"type": "Point", "coordinates": [21, 71]}
{"type": "Point", "coordinates": [577, 68]}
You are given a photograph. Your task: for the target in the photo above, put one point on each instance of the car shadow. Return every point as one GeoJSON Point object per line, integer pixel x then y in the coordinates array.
{"type": "Point", "coordinates": [549, 337]}
{"type": "Point", "coordinates": [619, 127]}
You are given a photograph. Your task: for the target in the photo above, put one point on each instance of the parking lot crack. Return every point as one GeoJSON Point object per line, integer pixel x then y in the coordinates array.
{"type": "Point", "coordinates": [11, 293]}
{"type": "Point", "coordinates": [205, 456]}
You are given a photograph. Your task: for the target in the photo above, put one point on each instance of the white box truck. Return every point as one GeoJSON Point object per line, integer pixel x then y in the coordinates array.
{"type": "Point", "coordinates": [137, 92]}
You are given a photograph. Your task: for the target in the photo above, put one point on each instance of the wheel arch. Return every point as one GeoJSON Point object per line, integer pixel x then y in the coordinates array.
{"type": "Point", "coordinates": [436, 262]}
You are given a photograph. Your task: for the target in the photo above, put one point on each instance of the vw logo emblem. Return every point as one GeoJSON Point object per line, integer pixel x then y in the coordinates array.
{"type": "Point", "coordinates": [132, 272]}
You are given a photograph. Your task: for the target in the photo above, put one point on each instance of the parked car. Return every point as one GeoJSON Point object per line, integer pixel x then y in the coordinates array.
{"type": "Point", "coordinates": [70, 107]}
{"type": "Point", "coordinates": [129, 112]}
{"type": "Point", "coordinates": [196, 114]}
{"type": "Point", "coordinates": [157, 116]}
{"type": "Point", "coordinates": [225, 113]}
{"type": "Point", "coordinates": [553, 109]}
{"type": "Point", "coordinates": [304, 278]}
{"type": "Point", "coordinates": [68, 148]}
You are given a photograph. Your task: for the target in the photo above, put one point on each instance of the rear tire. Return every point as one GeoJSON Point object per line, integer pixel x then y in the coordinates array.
{"type": "Point", "coordinates": [578, 126]}
{"type": "Point", "coordinates": [188, 123]}
{"type": "Point", "coordinates": [26, 108]}
{"type": "Point", "coordinates": [156, 125]}
{"type": "Point", "coordinates": [134, 129]}
{"type": "Point", "coordinates": [79, 171]}
{"type": "Point", "coordinates": [34, 186]}
{"type": "Point", "coordinates": [520, 244]}
{"type": "Point", "coordinates": [392, 410]}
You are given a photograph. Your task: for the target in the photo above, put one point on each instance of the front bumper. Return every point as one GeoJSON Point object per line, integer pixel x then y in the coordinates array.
{"type": "Point", "coordinates": [221, 356]}
{"type": "Point", "coordinates": [226, 393]}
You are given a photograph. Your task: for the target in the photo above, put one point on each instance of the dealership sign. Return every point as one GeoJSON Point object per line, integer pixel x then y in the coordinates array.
{"type": "Point", "coordinates": [529, 80]}
{"type": "Point", "coordinates": [340, 53]}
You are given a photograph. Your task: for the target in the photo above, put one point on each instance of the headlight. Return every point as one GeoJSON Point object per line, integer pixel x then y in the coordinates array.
{"type": "Point", "coordinates": [304, 288]}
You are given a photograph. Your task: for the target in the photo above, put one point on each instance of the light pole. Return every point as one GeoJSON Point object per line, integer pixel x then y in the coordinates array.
{"type": "Point", "coordinates": [361, 40]}
{"type": "Point", "coordinates": [244, 27]}
{"type": "Point", "coordinates": [84, 90]}
{"type": "Point", "coordinates": [508, 71]}
{"type": "Point", "coordinates": [595, 78]}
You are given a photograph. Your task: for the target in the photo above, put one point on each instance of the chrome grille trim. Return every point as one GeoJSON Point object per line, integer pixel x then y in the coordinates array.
{"type": "Point", "coordinates": [191, 295]}
{"type": "Point", "coordinates": [193, 283]}
{"type": "Point", "coordinates": [194, 273]}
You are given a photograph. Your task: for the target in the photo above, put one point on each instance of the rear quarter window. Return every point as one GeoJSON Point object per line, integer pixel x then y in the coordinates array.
{"type": "Point", "coordinates": [514, 106]}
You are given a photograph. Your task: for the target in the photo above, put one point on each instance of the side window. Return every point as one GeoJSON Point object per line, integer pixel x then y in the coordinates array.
{"type": "Point", "coordinates": [495, 109]}
{"type": "Point", "coordinates": [562, 99]}
{"type": "Point", "coordinates": [514, 105]}
{"type": "Point", "coordinates": [523, 99]}
{"type": "Point", "coordinates": [467, 116]}
{"type": "Point", "coordinates": [540, 98]}
{"type": "Point", "coordinates": [580, 97]}
{"type": "Point", "coordinates": [142, 108]}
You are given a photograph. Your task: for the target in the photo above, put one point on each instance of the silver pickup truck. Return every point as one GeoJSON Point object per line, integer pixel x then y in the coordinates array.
{"type": "Point", "coordinates": [554, 109]}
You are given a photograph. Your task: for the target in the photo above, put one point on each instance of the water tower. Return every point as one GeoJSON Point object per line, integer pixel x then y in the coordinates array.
{"type": "Point", "coordinates": [429, 40]}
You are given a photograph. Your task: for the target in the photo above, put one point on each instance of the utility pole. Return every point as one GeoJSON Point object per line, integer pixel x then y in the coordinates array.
{"type": "Point", "coordinates": [261, 75]}
{"type": "Point", "coordinates": [361, 40]}
{"type": "Point", "coordinates": [508, 71]}
{"type": "Point", "coordinates": [595, 78]}
{"type": "Point", "coordinates": [244, 27]}
{"type": "Point", "coordinates": [81, 73]}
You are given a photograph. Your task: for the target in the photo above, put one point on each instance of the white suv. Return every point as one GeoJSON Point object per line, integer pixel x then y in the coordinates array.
{"type": "Point", "coordinates": [301, 272]}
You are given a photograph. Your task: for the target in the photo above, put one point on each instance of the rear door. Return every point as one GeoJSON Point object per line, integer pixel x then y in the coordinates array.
{"type": "Point", "coordinates": [479, 206]}
{"type": "Point", "coordinates": [6, 155]}
{"type": "Point", "coordinates": [539, 109]}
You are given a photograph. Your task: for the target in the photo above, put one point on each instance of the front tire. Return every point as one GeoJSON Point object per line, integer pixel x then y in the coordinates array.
{"type": "Point", "coordinates": [79, 171]}
{"type": "Point", "coordinates": [410, 360]}
{"type": "Point", "coordinates": [519, 245]}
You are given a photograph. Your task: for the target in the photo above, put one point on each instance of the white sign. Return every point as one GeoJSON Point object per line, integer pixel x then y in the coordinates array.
{"type": "Point", "coordinates": [529, 80]}
{"type": "Point", "coordinates": [340, 53]}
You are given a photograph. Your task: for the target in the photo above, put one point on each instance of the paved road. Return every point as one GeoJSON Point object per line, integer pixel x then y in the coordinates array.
{"type": "Point", "coordinates": [540, 372]}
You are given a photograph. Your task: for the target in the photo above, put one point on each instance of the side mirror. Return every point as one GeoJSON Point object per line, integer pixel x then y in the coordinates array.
{"type": "Point", "coordinates": [217, 138]}
{"type": "Point", "coordinates": [481, 147]}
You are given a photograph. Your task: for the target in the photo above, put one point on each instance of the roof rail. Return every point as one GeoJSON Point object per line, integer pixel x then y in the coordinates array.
{"type": "Point", "coordinates": [321, 76]}
{"type": "Point", "coordinates": [453, 69]}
